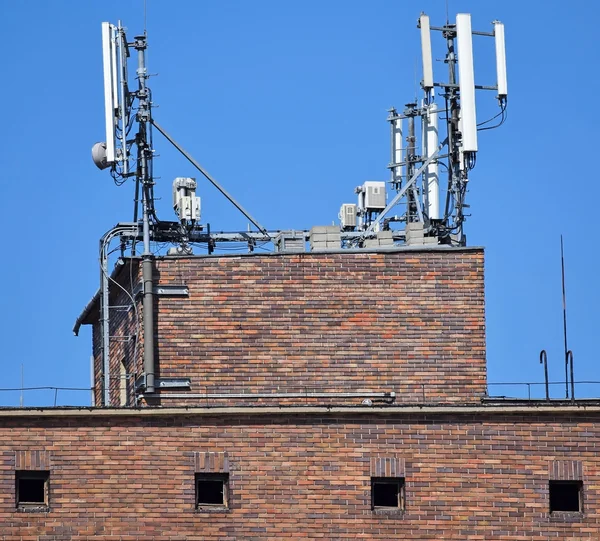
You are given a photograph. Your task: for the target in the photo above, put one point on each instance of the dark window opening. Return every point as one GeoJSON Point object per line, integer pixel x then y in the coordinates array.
{"type": "Point", "coordinates": [211, 489]}
{"type": "Point", "coordinates": [566, 496]}
{"type": "Point", "coordinates": [387, 492]}
{"type": "Point", "coordinates": [32, 488]}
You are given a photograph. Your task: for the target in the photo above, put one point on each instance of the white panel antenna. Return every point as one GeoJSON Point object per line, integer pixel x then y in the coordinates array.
{"type": "Point", "coordinates": [398, 130]}
{"type": "Point", "coordinates": [431, 180]}
{"type": "Point", "coordinates": [500, 60]}
{"type": "Point", "coordinates": [427, 83]}
{"type": "Point", "coordinates": [466, 82]}
{"type": "Point", "coordinates": [110, 88]}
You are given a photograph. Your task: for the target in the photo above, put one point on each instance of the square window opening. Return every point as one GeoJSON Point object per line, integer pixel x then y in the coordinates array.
{"type": "Point", "coordinates": [212, 490]}
{"type": "Point", "coordinates": [32, 488]}
{"type": "Point", "coordinates": [387, 493]}
{"type": "Point", "coordinates": [566, 496]}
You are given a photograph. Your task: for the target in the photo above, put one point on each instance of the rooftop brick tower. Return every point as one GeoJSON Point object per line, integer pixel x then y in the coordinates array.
{"type": "Point", "coordinates": [407, 322]}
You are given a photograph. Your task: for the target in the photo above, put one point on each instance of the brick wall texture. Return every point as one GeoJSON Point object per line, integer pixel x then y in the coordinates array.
{"type": "Point", "coordinates": [472, 476]}
{"type": "Point", "coordinates": [411, 322]}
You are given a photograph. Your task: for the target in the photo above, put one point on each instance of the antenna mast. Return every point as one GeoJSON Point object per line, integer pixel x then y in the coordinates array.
{"type": "Point", "coordinates": [144, 176]}
{"type": "Point", "coordinates": [418, 188]}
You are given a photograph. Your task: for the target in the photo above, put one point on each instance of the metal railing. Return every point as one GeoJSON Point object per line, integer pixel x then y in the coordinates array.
{"type": "Point", "coordinates": [44, 396]}
{"type": "Point", "coordinates": [533, 390]}
{"type": "Point", "coordinates": [432, 392]}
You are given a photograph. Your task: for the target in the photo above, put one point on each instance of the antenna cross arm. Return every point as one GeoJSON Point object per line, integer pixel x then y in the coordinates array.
{"type": "Point", "coordinates": [405, 188]}
{"type": "Point", "coordinates": [210, 179]}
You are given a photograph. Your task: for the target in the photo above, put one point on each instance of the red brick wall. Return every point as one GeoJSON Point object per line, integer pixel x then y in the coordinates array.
{"type": "Point", "coordinates": [473, 476]}
{"type": "Point", "coordinates": [406, 321]}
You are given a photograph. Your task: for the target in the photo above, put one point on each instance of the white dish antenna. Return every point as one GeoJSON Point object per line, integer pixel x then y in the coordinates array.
{"type": "Point", "coordinates": [109, 63]}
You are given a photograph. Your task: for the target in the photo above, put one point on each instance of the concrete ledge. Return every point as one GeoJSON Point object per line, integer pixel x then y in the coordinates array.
{"type": "Point", "coordinates": [536, 408]}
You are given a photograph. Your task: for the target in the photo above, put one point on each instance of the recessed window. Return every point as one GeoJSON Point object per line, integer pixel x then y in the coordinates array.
{"type": "Point", "coordinates": [212, 490]}
{"type": "Point", "coordinates": [32, 488]}
{"type": "Point", "coordinates": [387, 493]}
{"type": "Point", "coordinates": [566, 496]}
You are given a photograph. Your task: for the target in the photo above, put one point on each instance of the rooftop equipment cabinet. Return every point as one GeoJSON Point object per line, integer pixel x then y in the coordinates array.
{"type": "Point", "coordinates": [348, 217]}
{"type": "Point", "coordinates": [185, 202]}
{"type": "Point", "coordinates": [373, 193]}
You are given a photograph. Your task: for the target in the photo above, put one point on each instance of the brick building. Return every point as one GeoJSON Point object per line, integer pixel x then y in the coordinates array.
{"type": "Point", "coordinates": [326, 395]}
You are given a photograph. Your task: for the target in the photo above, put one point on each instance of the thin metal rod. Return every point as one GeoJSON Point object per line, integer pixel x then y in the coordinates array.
{"type": "Point", "coordinates": [570, 362]}
{"type": "Point", "coordinates": [478, 87]}
{"type": "Point", "coordinates": [451, 27]}
{"type": "Point", "coordinates": [564, 302]}
{"type": "Point", "coordinates": [544, 361]}
{"type": "Point", "coordinates": [209, 178]}
{"type": "Point", "coordinates": [22, 384]}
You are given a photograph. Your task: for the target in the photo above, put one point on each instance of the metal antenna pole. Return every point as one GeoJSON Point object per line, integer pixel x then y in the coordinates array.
{"type": "Point", "coordinates": [393, 182]}
{"type": "Point", "coordinates": [544, 361]}
{"type": "Point", "coordinates": [411, 210]}
{"type": "Point", "coordinates": [145, 157]}
{"type": "Point", "coordinates": [453, 116]}
{"type": "Point", "coordinates": [564, 301]}
{"type": "Point", "coordinates": [123, 109]}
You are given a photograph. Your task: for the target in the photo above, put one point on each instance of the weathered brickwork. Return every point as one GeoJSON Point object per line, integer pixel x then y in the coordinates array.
{"type": "Point", "coordinates": [472, 475]}
{"type": "Point", "coordinates": [406, 321]}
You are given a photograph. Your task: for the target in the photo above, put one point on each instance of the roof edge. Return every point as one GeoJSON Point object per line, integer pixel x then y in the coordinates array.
{"type": "Point", "coordinates": [576, 407]}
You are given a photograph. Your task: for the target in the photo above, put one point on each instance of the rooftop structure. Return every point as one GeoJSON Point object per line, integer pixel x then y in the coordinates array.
{"type": "Point", "coordinates": [333, 388]}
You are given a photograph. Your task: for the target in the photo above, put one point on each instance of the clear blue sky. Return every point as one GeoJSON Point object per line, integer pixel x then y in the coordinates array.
{"type": "Point", "coordinates": [285, 104]}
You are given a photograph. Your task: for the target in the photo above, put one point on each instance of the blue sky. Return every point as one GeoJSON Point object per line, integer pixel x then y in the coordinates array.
{"type": "Point", "coordinates": [285, 103]}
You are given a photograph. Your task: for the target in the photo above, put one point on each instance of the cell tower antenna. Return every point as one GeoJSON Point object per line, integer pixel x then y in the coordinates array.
{"type": "Point", "coordinates": [110, 97]}
{"type": "Point", "coordinates": [427, 220]}
{"type": "Point", "coordinates": [118, 152]}
{"type": "Point", "coordinates": [426, 52]}
{"type": "Point", "coordinates": [466, 80]}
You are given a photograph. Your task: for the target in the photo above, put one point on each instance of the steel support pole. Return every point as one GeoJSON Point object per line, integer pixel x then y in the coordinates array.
{"type": "Point", "coordinates": [145, 155]}
{"type": "Point", "coordinates": [411, 208]}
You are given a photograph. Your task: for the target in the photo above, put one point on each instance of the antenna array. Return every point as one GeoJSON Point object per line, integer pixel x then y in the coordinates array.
{"type": "Point", "coordinates": [415, 175]}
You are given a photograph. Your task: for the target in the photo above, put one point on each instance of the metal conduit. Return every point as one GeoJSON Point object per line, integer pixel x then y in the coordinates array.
{"type": "Point", "coordinates": [384, 395]}
{"type": "Point", "coordinates": [104, 305]}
